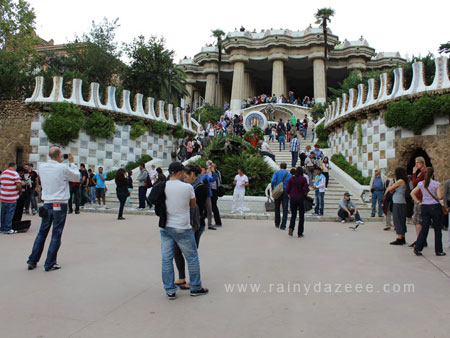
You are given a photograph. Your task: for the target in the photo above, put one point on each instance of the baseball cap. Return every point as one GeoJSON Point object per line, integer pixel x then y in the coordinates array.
{"type": "Point", "coordinates": [347, 194]}
{"type": "Point", "coordinates": [175, 167]}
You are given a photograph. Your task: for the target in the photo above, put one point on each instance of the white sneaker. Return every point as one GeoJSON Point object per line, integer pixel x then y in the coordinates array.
{"type": "Point", "coordinates": [10, 232]}
{"type": "Point", "coordinates": [359, 222]}
{"type": "Point", "coordinates": [343, 221]}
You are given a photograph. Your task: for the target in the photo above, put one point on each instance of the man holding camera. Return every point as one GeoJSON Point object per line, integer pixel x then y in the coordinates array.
{"type": "Point", "coordinates": [55, 177]}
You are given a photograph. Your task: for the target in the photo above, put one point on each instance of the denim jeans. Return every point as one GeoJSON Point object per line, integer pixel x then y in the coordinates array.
{"type": "Point", "coordinates": [297, 203]}
{"type": "Point", "coordinates": [179, 258]}
{"type": "Point", "coordinates": [377, 196]}
{"type": "Point", "coordinates": [7, 215]}
{"type": "Point", "coordinates": [282, 140]}
{"type": "Point", "coordinates": [30, 198]}
{"type": "Point", "coordinates": [305, 132]}
{"type": "Point", "coordinates": [431, 214]}
{"type": "Point", "coordinates": [58, 218]}
{"type": "Point", "coordinates": [122, 199]}
{"type": "Point", "coordinates": [284, 201]}
{"type": "Point", "coordinates": [92, 194]}
{"type": "Point", "coordinates": [343, 214]}
{"type": "Point", "coordinates": [142, 191]}
{"type": "Point", "coordinates": [184, 238]}
{"type": "Point", "coordinates": [75, 197]}
{"type": "Point", "coordinates": [294, 158]}
{"type": "Point", "coordinates": [320, 197]}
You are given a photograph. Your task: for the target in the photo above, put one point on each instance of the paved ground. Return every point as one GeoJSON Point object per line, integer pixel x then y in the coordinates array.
{"type": "Point", "coordinates": [110, 284]}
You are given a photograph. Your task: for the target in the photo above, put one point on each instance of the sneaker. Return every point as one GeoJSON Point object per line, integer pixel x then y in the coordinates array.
{"type": "Point", "coordinates": [201, 292]}
{"type": "Point", "coordinates": [34, 212]}
{"type": "Point", "coordinates": [291, 231]}
{"type": "Point", "coordinates": [32, 266]}
{"type": "Point", "coordinates": [54, 267]}
{"type": "Point", "coordinates": [10, 232]}
{"type": "Point", "coordinates": [343, 221]}
{"type": "Point", "coordinates": [372, 215]}
{"type": "Point", "coordinates": [359, 222]}
{"type": "Point", "coordinates": [171, 296]}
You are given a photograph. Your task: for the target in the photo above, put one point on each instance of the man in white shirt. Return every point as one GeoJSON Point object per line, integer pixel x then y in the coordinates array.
{"type": "Point", "coordinates": [55, 177]}
{"type": "Point", "coordinates": [229, 113]}
{"type": "Point", "coordinates": [153, 174]}
{"type": "Point", "coordinates": [266, 151]}
{"type": "Point", "coordinates": [180, 198]}
{"type": "Point", "coordinates": [240, 182]}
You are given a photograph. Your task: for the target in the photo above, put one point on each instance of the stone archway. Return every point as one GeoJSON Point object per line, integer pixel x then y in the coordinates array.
{"type": "Point", "coordinates": [419, 152]}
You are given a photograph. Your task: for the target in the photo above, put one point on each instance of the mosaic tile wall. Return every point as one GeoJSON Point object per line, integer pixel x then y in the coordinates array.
{"type": "Point", "coordinates": [107, 153]}
{"type": "Point", "coordinates": [377, 143]}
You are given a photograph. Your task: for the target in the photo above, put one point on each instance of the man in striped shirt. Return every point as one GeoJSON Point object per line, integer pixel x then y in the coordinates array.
{"type": "Point", "coordinates": [9, 193]}
{"type": "Point", "coordinates": [295, 147]}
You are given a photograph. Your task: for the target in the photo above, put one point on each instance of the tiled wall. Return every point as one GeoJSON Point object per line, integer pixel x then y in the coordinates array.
{"type": "Point", "coordinates": [107, 153]}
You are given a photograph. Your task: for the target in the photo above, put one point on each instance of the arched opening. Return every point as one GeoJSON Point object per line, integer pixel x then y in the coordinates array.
{"type": "Point", "coordinates": [412, 161]}
{"type": "Point", "coordinates": [19, 156]}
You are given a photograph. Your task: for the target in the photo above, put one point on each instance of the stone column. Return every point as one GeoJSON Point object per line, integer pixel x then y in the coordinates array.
{"type": "Point", "coordinates": [278, 78]}
{"type": "Point", "coordinates": [188, 99]}
{"type": "Point", "coordinates": [247, 85]}
{"type": "Point", "coordinates": [219, 93]}
{"type": "Point", "coordinates": [210, 92]}
{"type": "Point", "coordinates": [196, 99]}
{"type": "Point", "coordinates": [320, 92]}
{"type": "Point", "coordinates": [237, 90]}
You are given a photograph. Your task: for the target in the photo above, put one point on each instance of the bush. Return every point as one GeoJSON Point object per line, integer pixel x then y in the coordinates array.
{"type": "Point", "coordinates": [351, 170]}
{"type": "Point", "coordinates": [110, 175]}
{"type": "Point", "coordinates": [323, 144]}
{"type": "Point", "coordinates": [350, 126]}
{"type": "Point", "coordinates": [257, 131]}
{"type": "Point", "coordinates": [208, 113]}
{"type": "Point", "coordinates": [159, 127]}
{"type": "Point", "coordinates": [137, 129]}
{"type": "Point", "coordinates": [318, 111]}
{"type": "Point", "coordinates": [178, 132]}
{"type": "Point", "coordinates": [64, 123]}
{"type": "Point", "coordinates": [100, 125]}
{"type": "Point", "coordinates": [143, 159]}
{"type": "Point", "coordinates": [321, 133]}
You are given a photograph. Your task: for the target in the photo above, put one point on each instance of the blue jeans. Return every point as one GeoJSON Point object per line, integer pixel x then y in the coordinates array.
{"type": "Point", "coordinates": [282, 139]}
{"type": "Point", "coordinates": [377, 196]}
{"type": "Point", "coordinates": [142, 193]}
{"type": "Point", "coordinates": [294, 158]}
{"type": "Point", "coordinates": [320, 201]}
{"type": "Point", "coordinates": [431, 214]}
{"type": "Point", "coordinates": [92, 194]}
{"type": "Point", "coordinates": [7, 215]}
{"type": "Point", "coordinates": [284, 201]}
{"type": "Point", "coordinates": [305, 131]}
{"type": "Point", "coordinates": [184, 238]}
{"type": "Point", "coordinates": [58, 218]}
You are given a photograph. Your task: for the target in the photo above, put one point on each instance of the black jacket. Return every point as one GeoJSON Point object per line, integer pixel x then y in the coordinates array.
{"type": "Point", "coordinates": [158, 198]}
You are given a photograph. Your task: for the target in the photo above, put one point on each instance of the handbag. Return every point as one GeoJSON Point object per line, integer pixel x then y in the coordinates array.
{"type": "Point", "coordinates": [444, 209]}
{"type": "Point", "coordinates": [277, 192]}
{"type": "Point", "coordinates": [308, 203]}
{"type": "Point", "coordinates": [270, 205]}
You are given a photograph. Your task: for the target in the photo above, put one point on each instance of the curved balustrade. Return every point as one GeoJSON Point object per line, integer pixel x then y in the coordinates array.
{"type": "Point", "coordinates": [345, 106]}
{"type": "Point", "coordinates": [110, 104]}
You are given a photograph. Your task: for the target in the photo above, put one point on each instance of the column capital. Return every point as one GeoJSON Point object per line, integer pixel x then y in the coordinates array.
{"type": "Point", "coordinates": [278, 57]}
{"type": "Point", "coordinates": [316, 55]}
{"type": "Point", "coordinates": [238, 58]}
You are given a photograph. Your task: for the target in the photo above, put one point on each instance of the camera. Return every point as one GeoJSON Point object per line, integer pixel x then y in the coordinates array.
{"type": "Point", "coordinates": [66, 156]}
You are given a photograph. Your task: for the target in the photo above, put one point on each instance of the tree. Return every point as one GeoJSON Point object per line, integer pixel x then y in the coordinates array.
{"type": "Point", "coordinates": [218, 33]}
{"type": "Point", "coordinates": [323, 16]}
{"type": "Point", "coordinates": [151, 64]}
{"type": "Point", "coordinates": [444, 48]}
{"type": "Point", "coordinates": [16, 24]}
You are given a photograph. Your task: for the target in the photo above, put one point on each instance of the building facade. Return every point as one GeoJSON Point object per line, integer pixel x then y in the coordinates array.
{"type": "Point", "coordinates": [276, 62]}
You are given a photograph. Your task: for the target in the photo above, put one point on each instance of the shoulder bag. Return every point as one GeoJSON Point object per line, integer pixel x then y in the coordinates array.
{"type": "Point", "coordinates": [444, 209]}
{"type": "Point", "coordinates": [277, 192]}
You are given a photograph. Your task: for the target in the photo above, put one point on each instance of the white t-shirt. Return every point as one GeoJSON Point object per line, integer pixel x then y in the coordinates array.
{"type": "Point", "coordinates": [265, 147]}
{"type": "Point", "coordinates": [153, 174]}
{"type": "Point", "coordinates": [178, 196]}
{"type": "Point", "coordinates": [240, 180]}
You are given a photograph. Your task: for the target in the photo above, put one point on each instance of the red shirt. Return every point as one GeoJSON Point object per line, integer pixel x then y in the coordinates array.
{"type": "Point", "coordinates": [416, 179]}
{"type": "Point", "coordinates": [9, 192]}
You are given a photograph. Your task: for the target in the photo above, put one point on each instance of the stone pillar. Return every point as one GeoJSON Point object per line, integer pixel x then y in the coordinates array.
{"type": "Point", "coordinates": [237, 90]}
{"type": "Point", "coordinates": [247, 85]}
{"type": "Point", "coordinates": [278, 79]}
{"type": "Point", "coordinates": [320, 92]}
{"type": "Point", "coordinates": [210, 92]}
{"type": "Point", "coordinates": [188, 99]}
{"type": "Point", "coordinates": [219, 93]}
{"type": "Point", "coordinates": [196, 99]}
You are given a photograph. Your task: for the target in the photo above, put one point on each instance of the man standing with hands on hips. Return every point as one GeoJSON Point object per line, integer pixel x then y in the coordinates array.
{"type": "Point", "coordinates": [55, 177]}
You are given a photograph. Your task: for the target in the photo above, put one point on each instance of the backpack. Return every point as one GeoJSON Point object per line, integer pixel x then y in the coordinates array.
{"type": "Point", "coordinates": [158, 198]}
{"type": "Point", "coordinates": [148, 181]}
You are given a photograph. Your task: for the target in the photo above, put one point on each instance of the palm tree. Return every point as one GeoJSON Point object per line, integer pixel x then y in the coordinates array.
{"type": "Point", "coordinates": [322, 17]}
{"type": "Point", "coordinates": [218, 33]}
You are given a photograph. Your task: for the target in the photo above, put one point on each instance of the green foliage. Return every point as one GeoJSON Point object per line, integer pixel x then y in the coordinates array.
{"type": "Point", "coordinates": [142, 160]}
{"type": "Point", "coordinates": [100, 125]}
{"type": "Point", "coordinates": [137, 129]}
{"type": "Point", "coordinates": [110, 175]}
{"type": "Point", "coordinates": [257, 131]}
{"type": "Point", "coordinates": [322, 134]}
{"type": "Point", "coordinates": [178, 132]}
{"type": "Point", "coordinates": [351, 170]}
{"type": "Point", "coordinates": [417, 115]}
{"type": "Point", "coordinates": [318, 111]}
{"type": "Point", "coordinates": [208, 113]}
{"type": "Point", "coordinates": [159, 127]}
{"type": "Point", "coordinates": [16, 22]}
{"type": "Point", "coordinates": [444, 48]}
{"type": "Point", "coordinates": [64, 123]}
{"type": "Point", "coordinates": [323, 144]}
{"type": "Point", "coordinates": [360, 137]}
{"type": "Point", "coordinates": [350, 126]}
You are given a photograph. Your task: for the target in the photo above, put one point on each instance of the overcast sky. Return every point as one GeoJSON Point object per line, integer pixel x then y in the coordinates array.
{"type": "Point", "coordinates": [406, 26]}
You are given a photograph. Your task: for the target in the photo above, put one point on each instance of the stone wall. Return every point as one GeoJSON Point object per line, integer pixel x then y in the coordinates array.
{"type": "Point", "coordinates": [15, 131]}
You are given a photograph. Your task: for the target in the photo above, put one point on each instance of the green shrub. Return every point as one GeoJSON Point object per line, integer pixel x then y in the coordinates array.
{"type": "Point", "coordinates": [257, 131]}
{"type": "Point", "coordinates": [350, 126]}
{"type": "Point", "coordinates": [351, 170]}
{"type": "Point", "coordinates": [360, 137]}
{"type": "Point", "coordinates": [100, 125]}
{"type": "Point", "coordinates": [178, 132]}
{"type": "Point", "coordinates": [137, 129]}
{"type": "Point", "coordinates": [64, 123]}
{"type": "Point", "coordinates": [160, 127]}
{"type": "Point", "coordinates": [321, 133]}
{"type": "Point", "coordinates": [110, 175]}
{"type": "Point", "coordinates": [143, 159]}
{"type": "Point", "coordinates": [208, 113]}
{"type": "Point", "coordinates": [318, 111]}
{"type": "Point", "coordinates": [323, 144]}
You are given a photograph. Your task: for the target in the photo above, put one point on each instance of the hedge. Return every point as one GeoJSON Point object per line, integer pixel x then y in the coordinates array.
{"type": "Point", "coordinates": [350, 169]}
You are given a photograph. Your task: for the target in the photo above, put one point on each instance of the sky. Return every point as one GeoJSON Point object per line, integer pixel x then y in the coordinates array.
{"type": "Point", "coordinates": [411, 28]}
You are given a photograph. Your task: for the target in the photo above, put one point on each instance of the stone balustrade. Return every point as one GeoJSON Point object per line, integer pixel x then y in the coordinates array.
{"type": "Point", "coordinates": [139, 109]}
{"type": "Point", "coordinates": [378, 94]}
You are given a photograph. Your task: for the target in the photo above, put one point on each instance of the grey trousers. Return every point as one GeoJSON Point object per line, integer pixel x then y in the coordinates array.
{"type": "Point", "coordinates": [209, 210]}
{"type": "Point", "coordinates": [399, 216]}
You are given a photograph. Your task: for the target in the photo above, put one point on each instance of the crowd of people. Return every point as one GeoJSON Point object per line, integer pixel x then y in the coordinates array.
{"type": "Point", "coordinates": [291, 99]}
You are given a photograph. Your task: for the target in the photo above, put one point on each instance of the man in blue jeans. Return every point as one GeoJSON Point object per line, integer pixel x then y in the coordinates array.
{"type": "Point", "coordinates": [377, 190]}
{"type": "Point", "coordinates": [180, 198]}
{"type": "Point", "coordinates": [9, 194]}
{"type": "Point", "coordinates": [277, 178]}
{"type": "Point", "coordinates": [55, 177]}
{"type": "Point", "coordinates": [319, 184]}
{"type": "Point", "coordinates": [281, 132]}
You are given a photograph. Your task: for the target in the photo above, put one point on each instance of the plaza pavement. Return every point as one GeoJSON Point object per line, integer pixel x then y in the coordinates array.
{"type": "Point", "coordinates": [110, 283]}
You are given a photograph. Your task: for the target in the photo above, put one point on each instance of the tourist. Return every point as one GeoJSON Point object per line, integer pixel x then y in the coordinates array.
{"type": "Point", "coordinates": [11, 187]}
{"type": "Point", "coordinates": [91, 185]}
{"type": "Point", "coordinates": [387, 204]}
{"type": "Point", "coordinates": [305, 127]}
{"type": "Point", "coordinates": [208, 204]}
{"type": "Point", "coordinates": [160, 176]}
{"type": "Point", "coordinates": [281, 132]}
{"type": "Point", "coordinates": [377, 190]}
{"type": "Point", "coordinates": [317, 152]}
{"type": "Point", "coordinates": [75, 195]}
{"type": "Point", "coordinates": [55, 179]}
{"type": "Point", "coordinates": [447, 205]}
{"type": "Point", "coordinates": [121, 190]}
{"type": "Point", "coordinates": [281, 176]}
{"type": "Point", "coordinates": [32, 190]}
{"type": "Point", "coordinates": [347, 208]}
{"type": "Point", "coordinates": [84, 182]}
{"type": "Point", "coordinates": [213, 172]}
{"type": "Point", "coordinates": [304, 154]}
{"type": "Point", "coordinates": [274, 99]}
{"type": "Point", "coordinates": [431, 212]}
{"type": "Point", "coordinates": [240, 182]}
{"type": "Point", "coordinates": [297, 190]}
{"type": "Point", "coordinates": [265, 150]}
{"type": "Point", "coordinates": [267, 133]}
{"type": "Point", "coordinates": [326, 170]}
{"type": "Point", "coordinates": [399, 188]}
{"type": "Point", "coordinates": [310, 165]}
{"type": "Point", "coordinates": [288, 131]}
{"type": "Point", "coordinates": [174, 151]}
{"type": "Point", "coordinates": [313, 127]}
{"type": "Point", "coordinates": [130, 187]}
{"type": "Point", "coordinates": [180, 198]}
{"type": "Point", "coordinates": [142, 186]}
{"type": "Point", "coordinates": [295, 148]}
{"type": "Point", "coordinates": [153, 174]}
{"type": "Point", "coordinates": [193, 177]}
{"type": "Point", "coordinates": [200, 134]}
{"type": "Point", "coordinates": [273, 134]}
{"type": "Point", "coordinates": [418, 176]}
{"type": "Point", "coordinates": [183, 148]}
{"type": "Point", "coordinates": [100, 187]}
{"type": "Point", "coordinates": [319, 185]}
